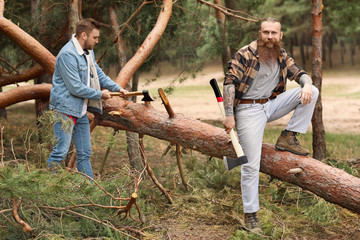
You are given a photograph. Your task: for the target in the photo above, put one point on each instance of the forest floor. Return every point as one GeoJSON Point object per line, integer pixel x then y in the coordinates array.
{"type": "Point", "coordinates": [195, 98]}
{"type": "Point", "coordinates": [205, 213]}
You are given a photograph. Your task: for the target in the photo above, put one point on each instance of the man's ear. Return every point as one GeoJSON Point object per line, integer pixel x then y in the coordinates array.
{"type": "Point", "coordinates": [83, 36]}
{"type": "Point", "coordinates": [281, 35]}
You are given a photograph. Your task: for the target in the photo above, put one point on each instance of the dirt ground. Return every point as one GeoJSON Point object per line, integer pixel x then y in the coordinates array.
{"type": "Point", "coordinates": [340, 98]}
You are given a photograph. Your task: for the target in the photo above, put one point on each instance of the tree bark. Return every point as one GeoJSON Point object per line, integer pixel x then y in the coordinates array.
{"type": "Point", "coordinates": [73, 16]}
{"type": "Point", "coordinates": [319, 144]}
{"type": "Point", "coordinates": [24, 93]}
{"type": "Point", "coordinates": [332, 184]}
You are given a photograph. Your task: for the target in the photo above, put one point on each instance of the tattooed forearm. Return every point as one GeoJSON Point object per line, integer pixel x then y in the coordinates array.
{"type": "Point", "coordinates": [305, 79]}
{"type": "Point", "coordinates": [229, 95]}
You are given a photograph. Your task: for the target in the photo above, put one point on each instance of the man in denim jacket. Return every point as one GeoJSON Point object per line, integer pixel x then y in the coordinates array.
{"type": "Point", "coordinates": [75, 88]}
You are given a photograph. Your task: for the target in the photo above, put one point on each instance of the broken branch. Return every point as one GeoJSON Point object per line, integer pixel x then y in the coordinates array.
{"type": "Point", "coordinates": [150, 171]}
{"type": "Point", "coordinates": [26, 227]}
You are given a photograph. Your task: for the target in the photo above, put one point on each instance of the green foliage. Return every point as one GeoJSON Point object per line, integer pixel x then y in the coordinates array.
{"type": "Point", "coordinates": [323, 212]}
{"type": "Point", "coordinates": [42, 192]}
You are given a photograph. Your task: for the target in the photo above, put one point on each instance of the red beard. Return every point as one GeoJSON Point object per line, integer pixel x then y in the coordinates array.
{"type": "Point", "coordinates": [268, 54]}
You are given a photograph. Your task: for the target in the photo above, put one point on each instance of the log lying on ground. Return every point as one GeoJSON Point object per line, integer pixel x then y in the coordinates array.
{"type": "Point", "coordinates": [332, 184]}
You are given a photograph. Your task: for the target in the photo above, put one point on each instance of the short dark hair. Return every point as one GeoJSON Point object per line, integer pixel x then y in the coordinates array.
{"type": "Point", "coordinates": [86, 25]}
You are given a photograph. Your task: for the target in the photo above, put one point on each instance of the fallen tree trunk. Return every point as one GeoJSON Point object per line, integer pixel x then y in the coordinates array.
{"type": "Point", "coordinates": [332, 184]}
{"type": "Point", "coordinates": [28, 44]}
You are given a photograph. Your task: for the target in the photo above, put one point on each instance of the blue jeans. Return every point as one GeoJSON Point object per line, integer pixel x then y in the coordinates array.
{"type": "Point", "coordinates": [80, 134]}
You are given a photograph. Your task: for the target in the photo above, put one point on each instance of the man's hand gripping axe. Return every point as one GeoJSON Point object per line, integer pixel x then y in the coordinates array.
{"type": "Point", "coordinates": [229, 163]}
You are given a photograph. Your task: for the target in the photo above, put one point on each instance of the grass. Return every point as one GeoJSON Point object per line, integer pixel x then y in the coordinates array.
{"type": "Point", "coordinates": [212, 208]}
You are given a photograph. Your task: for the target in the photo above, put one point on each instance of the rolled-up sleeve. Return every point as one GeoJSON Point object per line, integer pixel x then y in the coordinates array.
{"type": "Point", "coordinates": [236, 70]}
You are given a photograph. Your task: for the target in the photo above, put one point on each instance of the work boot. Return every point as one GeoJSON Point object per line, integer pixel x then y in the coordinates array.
{"type": "Point", "coordinates": [288, 142]}
{"type": "Point", "coordinates": [251, 222]}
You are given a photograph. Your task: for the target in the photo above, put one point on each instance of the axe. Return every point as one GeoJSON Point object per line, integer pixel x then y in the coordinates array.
{"type": "Point", "coordinates": [145, 93]}
{"type": "Point", "coordinates": [229, 163]}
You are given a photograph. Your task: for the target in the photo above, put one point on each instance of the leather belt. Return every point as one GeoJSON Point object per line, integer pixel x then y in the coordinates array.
{"type": "Point", "coordinates": [253, 101]}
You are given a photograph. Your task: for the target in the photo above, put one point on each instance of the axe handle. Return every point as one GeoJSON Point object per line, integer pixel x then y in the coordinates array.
{"type": "Point", "coordinates": [116, 94]}
{"type": "Point", "coordinates": [234, 140]}
{"type": "Point", "coordinates": [219, 98]}
{"type": "Point", "coordinates": [134, 93]}
{"type": "Point", "coordinates": [127, 95]}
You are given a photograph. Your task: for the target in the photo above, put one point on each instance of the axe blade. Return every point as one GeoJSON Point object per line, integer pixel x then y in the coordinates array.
{"type": "Point", "coordinates": [231, 163]}
{"type": "Point", "coordinates": [146, 97]}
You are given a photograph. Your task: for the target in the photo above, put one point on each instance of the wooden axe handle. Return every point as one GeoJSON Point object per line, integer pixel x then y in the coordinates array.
{"type": "Point", "coordinates": [219, 98]}
{"type": "Point", "coordinates": [127, 95]}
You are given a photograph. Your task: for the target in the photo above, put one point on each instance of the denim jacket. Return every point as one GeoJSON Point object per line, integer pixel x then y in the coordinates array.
{"type": "Point", "coordinates": [69, 82]}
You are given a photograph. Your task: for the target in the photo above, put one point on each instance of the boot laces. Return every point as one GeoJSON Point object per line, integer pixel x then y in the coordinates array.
{"type": "Point", "coordinates": [296, 141]}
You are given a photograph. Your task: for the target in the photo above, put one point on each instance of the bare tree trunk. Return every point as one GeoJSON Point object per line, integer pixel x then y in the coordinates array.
{"type": "Point", "coordinates": [232, 5]}
{"type": "Point", "coordinates": [342, 51]}
{"type": "Point", "coordinates": [225, 55]}
{"type": "Point", "coordinates": [352, 52]}
{"type": "Point", "coordinates": [73, 16]}
{"type": "Point", "coordinates": [3, 113]}
{"type": "Point", "coordinates": [132, 138]}
{"type": "Point", "coordinates": [319, 144]}
{"type": "Point", "coordinates": [39, 9]}
{"type": "Point", "coordinates": [302, 51]}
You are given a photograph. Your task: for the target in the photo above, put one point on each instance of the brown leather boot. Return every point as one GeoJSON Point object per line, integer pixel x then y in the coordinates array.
{"type": "Point", "coordinates": [288, 142]}
{"type": "Point", "coordinates": [252, 223]}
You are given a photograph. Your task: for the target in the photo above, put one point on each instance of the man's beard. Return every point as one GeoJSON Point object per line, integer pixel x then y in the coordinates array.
{"type": "Point", "coordinates": [268, 54]}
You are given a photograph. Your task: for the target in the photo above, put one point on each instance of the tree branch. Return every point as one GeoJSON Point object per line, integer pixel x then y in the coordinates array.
{"type": "Point", "coordinates": [229, 12]}
{"type": "Point", "coordinates": [146, 48]}
{"type": "Point", "coordinates": [26, 227]}
{"type": "Point", "coordinates": [129, 20]}
{"type": "Point", "coordinates": [28, 74]}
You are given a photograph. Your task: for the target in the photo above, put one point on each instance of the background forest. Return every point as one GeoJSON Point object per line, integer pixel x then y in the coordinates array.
{"type": "Point", "coordinates": [208, 206]}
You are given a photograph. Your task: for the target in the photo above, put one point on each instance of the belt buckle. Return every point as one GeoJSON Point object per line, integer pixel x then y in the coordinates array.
{"type": "Point", "coordinates": [262, 101]}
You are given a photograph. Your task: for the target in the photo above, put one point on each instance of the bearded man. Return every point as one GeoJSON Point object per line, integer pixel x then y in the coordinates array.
{"type": "Point", "coordinates": [254, 94]}
{"type": "Point", "coordinates": [76, 88]}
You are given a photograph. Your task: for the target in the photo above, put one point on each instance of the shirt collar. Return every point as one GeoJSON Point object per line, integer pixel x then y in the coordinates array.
{"type": "Point", "coordinates": [77, 45]}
